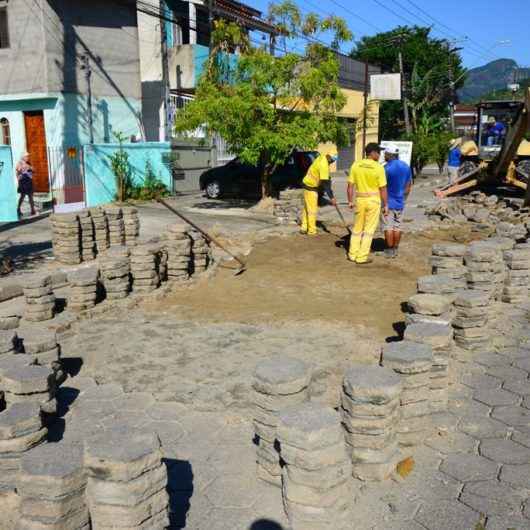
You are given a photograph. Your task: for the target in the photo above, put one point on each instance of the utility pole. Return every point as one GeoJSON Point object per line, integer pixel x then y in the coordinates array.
{"type": "Point", "coordinates": [404, 88]}
{"type": "Point", "coordinates": [85, 66]}
{"type": "Point", "coordinates": [210, 19]}
{"type": "Point", "coordinates": [365, 104]}
{"type": "Point", "coordinates": [165, 74]}
{"type": "Point", "coordinates": [451, 89]}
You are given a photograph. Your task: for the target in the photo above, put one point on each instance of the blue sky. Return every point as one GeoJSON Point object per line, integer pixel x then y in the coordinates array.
{"type": "Point", "coordinates": [486, 23]}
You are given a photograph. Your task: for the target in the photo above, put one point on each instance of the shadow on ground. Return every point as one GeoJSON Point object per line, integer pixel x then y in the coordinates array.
{"type": "Point", "coordinates": [27, 256]}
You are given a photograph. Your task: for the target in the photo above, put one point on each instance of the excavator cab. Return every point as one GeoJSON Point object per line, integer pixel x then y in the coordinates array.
{"type": "Point", "coordinates": [494, 120]}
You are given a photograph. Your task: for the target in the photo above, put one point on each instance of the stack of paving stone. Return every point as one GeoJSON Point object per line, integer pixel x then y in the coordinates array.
{"type": "Point", "coordinates": [115, 223]}
{"type": "Point", "coordinates": [126, 481]}
{"type": "Point", "coordinates": [200, 252]}
{"type": "Point", "coordinates": [88, 244]}
{"type": "Point", "coordinates": [413, 362]}
{"type": "Point", "coordinates": [41, 345]}
{"type": "Point", "coordinates": [370, 415]}
{"type": "Point", "coordinates": [66, 238]}
{"type": "Point", "coordinates": [517, 277]}
{"type": "Point", "coordinates": [288, 206]}
{"type": "Point", "coordinates": [448, 259]}
{"type": "Point", "coordinates": [24, 383]}
{"type": "Point", "coordinates": [131, 224]}
{"type": "Point", "coordinates": [83, 290]}
{"type": "Point", "coordinates": [9, 342]}
{"type": "Point", "coordinates": [40, 300]}
{"type": "Point", "coordinates": [51, 487]}
{"type": "Point", "coordinates": [485, 267]}
{"type": "Point", "coordinates": [440, 284]}
{"type": "Point", "coordinates": [20, 430]}
{"type": "Point", "coordinates": [144, 270]}
{"type": "Point", "coordinates": [101, 229]}
{"type": "Point", "coordinates": [115, 270]}
{"type": "Point", "coordinates": [439, 336]}
{"type": "Point", "coordinates": [178, 246]}
{"type": "Point", "coordinates": [279, 383]}
{"type": "Point", "coordinates": [316, 478]}
{"type": "Point", "coordinates": [9, 317]}
{"type": "Point", "coordinates": [423, 308]}
{"type": "Point", "coordinates": [471, 319]}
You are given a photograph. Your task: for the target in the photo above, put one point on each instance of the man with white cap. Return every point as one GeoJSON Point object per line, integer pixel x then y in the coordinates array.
{"type": "Point", "coordinates": [399, 184]}
{"type": "Point", "coordinates": [453, 159]}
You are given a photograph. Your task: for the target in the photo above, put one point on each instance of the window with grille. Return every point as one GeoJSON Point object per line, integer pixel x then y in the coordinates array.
{"type": "Point", "coordinates": [5, 132]}
{"type": "Point", "coordinates": [4, 30]}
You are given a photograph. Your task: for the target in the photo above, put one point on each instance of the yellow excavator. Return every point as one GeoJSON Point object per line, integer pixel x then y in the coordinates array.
{"type": "Point", "coordinates": [500, 154]}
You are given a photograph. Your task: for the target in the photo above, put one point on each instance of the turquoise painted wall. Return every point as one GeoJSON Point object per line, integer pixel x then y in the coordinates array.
{"type": "Point", "coordinates": [100, 183]}
{"type": "Point", "coordinates": [200, 59]}
{"type": "Point", "coordinates": [8, 195]}
{"type": "Point", "coordinates": [18, 133]}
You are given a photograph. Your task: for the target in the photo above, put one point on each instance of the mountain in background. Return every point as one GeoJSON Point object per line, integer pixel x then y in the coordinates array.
{"type": "Point", "coordinates": [489, 78]}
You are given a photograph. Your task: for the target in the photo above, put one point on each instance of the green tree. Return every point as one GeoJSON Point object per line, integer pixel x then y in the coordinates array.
{"type": "Point", "coordinates": [427, 62]}
{"type": "Point", "coordinates": [121, 167]}
{"type": "Point", "coordinates": [266, 105]}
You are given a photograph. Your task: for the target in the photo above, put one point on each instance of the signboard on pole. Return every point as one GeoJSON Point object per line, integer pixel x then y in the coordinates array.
{"type": "Point", "coordinates": [385, 86]}
{"type": "Point", "coordinates": [405, 151]}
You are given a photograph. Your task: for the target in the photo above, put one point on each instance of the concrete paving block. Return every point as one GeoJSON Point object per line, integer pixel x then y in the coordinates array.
{"type": "Point", "coordinates": [375, 472]}
{"type": "Point", "coordinates": [446, 262]}
{"type": "Point", "coordinates": [11, 290]}
{"type": "Point", "coordinates": [108, 391]}
{"type": "Point", "coordinates": [472, 299]}
{"type": "Point", "coordinates": [372, 384]}
{"type": "Point", "coordinates": [316, 459]}
{"type": "Point", "coordinates": [449, 249]}
{"type": "Point", "coordinates": [413, 410]}
{"type": "Point", "coordinates": [107, 515]}
{"type": "Point", "coordinates": [517, 386]}
{"type": "Point", "coordinates": [491, 498]}
{"type": "Point", "coordinates": [447, 514]}
{"type": "Point", "coordinates": [312, 496]}
{"type": "Point", "coordinates": [416, 381]}
{"type": "Point", "coordinates": [364, 455]}
{"type": "Point", "coordinates": [366, 425]}
{"type": "Point", "coordinates": [303, 517]}
{"type": "Point", "coordinates": [523, 364]}
{"type": "Point", "coordinates": [27, 379]}
{"type": "Point", "coordinates": [452, 442]}
{"type": "Point", "coordinates": [82, 277]}
{"type": "Point", "coordinates": [37, 340]}
{"type": "Point", "coordinates": [281, 375]}
{"type": "Point", "coordinates": [52, 512]}
{"type": "Point", "coordinates": [76, 521]}
{"type": "Point", "coordinates": [435, 335]}
{"type": "Point", "coordinates": [505, 451]}
{"type": "Point", "coordinates": [8, 341]}
{"type": "Point", "coordinates": [469, 322]}
{"type": "Point", "coordinates": [466, 467]}
{"type": "Point", "coordinates": [309, 426]}
{"type": "Point", "coordinates": [243, 492]}
{"type": "Point", "coordinates": [516, 475]}
{"type": "Point", "coordinates": [129, 493]}
{"type": "Point", "coordinates": [429, 304]}
{"type": "Point", "coordinates": [438, 284]}
{"type": "Point", "coordinates": [482, 427]}
{"type": "Point", "coordinates": [23, 443]}
{"type": "Point", "coordinates": [276, 403]}
{"type": "Point", "coordinates": [121, 455]}
{"type": "Point", "coordinates": [361, 408]}
{"type": "Point", "coordinates": [35, 281]}
{"type": "Point", "coordinates": [325, 478]}
{"type": "Point", "coordinates": [20, 419]}
{"type": "Point", "coordinates": [504, 522]}
{"type": "Point", "coordinates": [513, 416]}
{"type": "Point", "coordinates": [496, 397]}
{"type": "Point", "coordinates": [481, 381]}
{"type": "Point", "coordinates": [507, 373]}
{"type": "Point", "coordinates": [407, 357]}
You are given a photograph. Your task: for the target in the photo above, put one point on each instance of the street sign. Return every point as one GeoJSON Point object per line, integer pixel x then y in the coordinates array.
{"type": "Point", "coordinates": [405, 151]}
{"type": "Point", "coordinates": [385, 86]}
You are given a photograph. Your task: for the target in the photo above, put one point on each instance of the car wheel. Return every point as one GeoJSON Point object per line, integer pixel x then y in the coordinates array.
{"type": "Point", "coordinates": [213, 189]}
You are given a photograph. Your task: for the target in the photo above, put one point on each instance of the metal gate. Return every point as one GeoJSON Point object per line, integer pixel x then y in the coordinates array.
{"type": "Point", "coordinates": [66, 174]}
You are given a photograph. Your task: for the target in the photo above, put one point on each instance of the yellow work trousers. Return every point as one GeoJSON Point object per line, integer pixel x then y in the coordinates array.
{"type": "Point", "coordinates": [367, 212]}
{"type": "Point", "coordinates": [309, 213]}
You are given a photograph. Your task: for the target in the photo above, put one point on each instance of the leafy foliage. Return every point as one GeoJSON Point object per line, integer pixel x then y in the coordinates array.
{"type": "Point", "coordinates": [426, 63]}
{"type": "Point", "coordinates": [265, 105]}
{"type": "Point", "coordinates": [151, 188]}
{"type": "Point", "coordinates": [121, 167]}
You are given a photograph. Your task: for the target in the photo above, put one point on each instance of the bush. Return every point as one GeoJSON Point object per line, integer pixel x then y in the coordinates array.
{"type": "Point", "coordinates": [151, 188]}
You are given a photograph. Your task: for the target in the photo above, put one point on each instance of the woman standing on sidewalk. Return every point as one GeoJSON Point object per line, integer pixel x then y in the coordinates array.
{"type": "Point", "coordinates": [24, 172]}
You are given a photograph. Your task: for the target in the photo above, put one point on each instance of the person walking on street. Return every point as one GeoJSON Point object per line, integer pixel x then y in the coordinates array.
{"type": "Point", "coordinates": [453, 160]}
{"type": "Point", "coordinates": [367, 190]}
{"type": "Point", "coordinates": [399, 184]}
{"type": "Point", "coordinates": [24, 173]}
{"type": "Point", "coordinates": [317, 179]}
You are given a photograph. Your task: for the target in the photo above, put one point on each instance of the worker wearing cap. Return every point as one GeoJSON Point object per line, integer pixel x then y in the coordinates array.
{"type": "Point", "coordinates": [399, 184]}
{"type": "Point", "coordinates": [453, 159]}
{"type": "Point", "coordinates": [317, 179]}
{"type": "Point", "coordinates": [367, 190]}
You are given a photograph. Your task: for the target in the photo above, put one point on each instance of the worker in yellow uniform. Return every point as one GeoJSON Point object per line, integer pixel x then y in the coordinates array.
{"type": "Point", "coordinates": [367, 190]}
{"type": "Point", "coordinates": [317, 179]}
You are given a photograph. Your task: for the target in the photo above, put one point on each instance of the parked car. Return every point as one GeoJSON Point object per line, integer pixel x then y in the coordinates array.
{"type": "Point", "coordinates": [239, 179]}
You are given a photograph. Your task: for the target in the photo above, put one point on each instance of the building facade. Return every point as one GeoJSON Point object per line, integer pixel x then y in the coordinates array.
{"type": "Point", "coordinates": [69, 76]}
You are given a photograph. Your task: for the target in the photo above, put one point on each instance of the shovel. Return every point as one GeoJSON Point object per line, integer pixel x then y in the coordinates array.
{"type": "Point", "coordinates": [342, 219]}
{"type": "Point", "coordinates": [210, 238]}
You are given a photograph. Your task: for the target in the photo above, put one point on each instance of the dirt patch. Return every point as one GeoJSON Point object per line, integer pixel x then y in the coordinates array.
{"type": "Point", "coordinates": [298, 279]}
